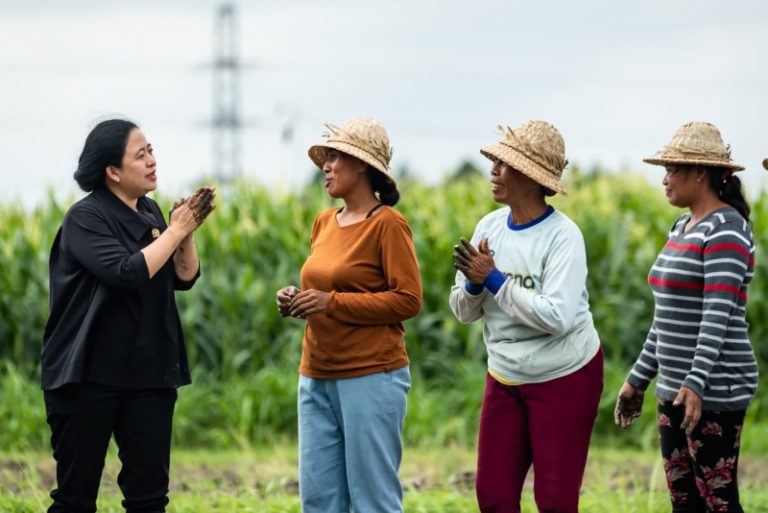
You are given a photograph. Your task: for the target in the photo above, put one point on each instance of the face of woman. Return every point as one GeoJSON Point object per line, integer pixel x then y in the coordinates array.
{"type": "Point", "coordinates": [509, 185]}
{"type": "Point", "coordinates": [137, 174]}
{"type": "Point", "coordinates": [681, 185]}
{"type": "Point", "coordinates": [343, 173]}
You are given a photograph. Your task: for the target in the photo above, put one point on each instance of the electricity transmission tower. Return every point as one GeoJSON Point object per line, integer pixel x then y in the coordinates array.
{"type": "Point", "coordinates": [227, 120]}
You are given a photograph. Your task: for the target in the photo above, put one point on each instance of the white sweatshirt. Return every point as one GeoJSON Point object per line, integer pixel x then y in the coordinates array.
{"type": "Point", "coordinates": [535, 305]}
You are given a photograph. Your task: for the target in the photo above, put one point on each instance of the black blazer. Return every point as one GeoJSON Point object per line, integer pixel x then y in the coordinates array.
{"type": "Point", "coordinates": [110, 323]}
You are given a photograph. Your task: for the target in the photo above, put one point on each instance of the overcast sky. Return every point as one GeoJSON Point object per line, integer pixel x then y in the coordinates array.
{"type": "Point", "coordinates": [617, 79]}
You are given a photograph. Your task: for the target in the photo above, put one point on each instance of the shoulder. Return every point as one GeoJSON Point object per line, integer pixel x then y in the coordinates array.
{"type": "Point", "coordinates": [559, 225]}
{"type": "Point", "coordinates": [494, 218]}
{"type": "Point", "coordinates": [391, 216]}
{"type": "Point", "coordinates": [325, 215]}
{"type": "Point", "coordinates": [730, 218]}
{"type": "Point", "coordinates": [389, 223]}
{"type": "Point", "coordinates": [87, 215]}
{"type": "Point", "coordinates": [89, 202]}
{"type": "Point", "coordinates": [728, 223]}
{"type": "Point", "coordinates": [87, 207]}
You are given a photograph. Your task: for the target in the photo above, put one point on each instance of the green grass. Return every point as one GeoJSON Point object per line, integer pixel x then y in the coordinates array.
{"type": "Point", "coordinates": [435, 480]}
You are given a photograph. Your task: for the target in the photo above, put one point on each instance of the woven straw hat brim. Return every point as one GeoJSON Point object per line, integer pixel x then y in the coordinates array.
{"type": "Point", "coordinates": [318, 154]}
{"type": "Point", "coordinates": [525, 165]}
{"type": "Point", "coordinates": [659, 160]}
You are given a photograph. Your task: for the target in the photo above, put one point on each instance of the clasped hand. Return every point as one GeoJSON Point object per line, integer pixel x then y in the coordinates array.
{"type": "Point", "coordinates": [474, 263]}
{"type": "Point", "coordinates": [189, 213]}
{"type": "Point", "coordinates": [293, 302]}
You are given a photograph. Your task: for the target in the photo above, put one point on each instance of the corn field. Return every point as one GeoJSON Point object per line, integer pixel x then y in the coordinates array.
{"type": "Point", "coordinates": [255, 243]}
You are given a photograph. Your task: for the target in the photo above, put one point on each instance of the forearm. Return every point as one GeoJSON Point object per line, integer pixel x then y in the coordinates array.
{"type": "Point", "coordinates": [646, 366]}
{"type": "Point", "coordinates": [465, 306]}
{"type": "Point", "coordinates": [374, 308]}
{"type": "Point", "coordinates": [157, 254]}
{"type": "Point", "coordinates": [709, 345]}
{"type": "Point", "coordinates": [185, 260]}
{"type": "Point", "coordinates": [553, 314]}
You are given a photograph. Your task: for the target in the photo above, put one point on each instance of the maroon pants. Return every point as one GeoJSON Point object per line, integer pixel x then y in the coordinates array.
{"type": "Point", "coordinates": [545, 424]}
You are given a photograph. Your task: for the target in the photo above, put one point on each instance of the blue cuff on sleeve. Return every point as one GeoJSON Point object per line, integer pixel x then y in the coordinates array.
{"type": "Point", "coordinates": [473, 288]}
{"type": "Point", "coordinates": [495, 280]}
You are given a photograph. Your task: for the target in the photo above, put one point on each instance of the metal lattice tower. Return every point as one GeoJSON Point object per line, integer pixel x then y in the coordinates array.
{"type": "Point", "coordinates": [227, 120]}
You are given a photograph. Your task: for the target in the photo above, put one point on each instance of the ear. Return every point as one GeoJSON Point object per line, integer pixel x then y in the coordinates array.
{"type": "Point", "coordinates": [701, 175]}
{"type": "Point", "coordinates": [113, 173]}
{"type": "Point", "coordinates": [361, 166]}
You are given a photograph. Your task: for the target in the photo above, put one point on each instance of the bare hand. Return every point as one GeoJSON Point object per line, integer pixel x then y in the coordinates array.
{"type": "Point", "coordinates": [475, 264]}
{"type": "Point", "coordinates": [201, 203]}
{"type": "Point", "coordinates": [629, 404]}
{"type": "Point", "coordinates": [177, 204]}
{"type": "Point", "coordinates": [183, 219]}
{"type": "Point", "coordinates": [284, 297]}
{"type": "Point", "coordinates": [309, 302]}
{"type": "Point", "coordinates": [692, 404]}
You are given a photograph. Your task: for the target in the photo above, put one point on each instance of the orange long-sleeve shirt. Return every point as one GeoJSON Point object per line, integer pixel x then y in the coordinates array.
{"type": "Point", "coordinates": [371, 272]}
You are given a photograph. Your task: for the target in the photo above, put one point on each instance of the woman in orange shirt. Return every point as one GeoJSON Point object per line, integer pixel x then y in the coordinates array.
{"type": "Point", "coordinates": [359, 283]}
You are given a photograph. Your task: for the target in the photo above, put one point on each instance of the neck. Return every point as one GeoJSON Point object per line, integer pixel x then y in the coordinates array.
{"type": "Point", "coordinates": [360, 201]}
{"type": "Point", "coordinates": [705, 205]}
{"type": "Point", "coordinates": [527, 209]}
{"type": "Point", "coordinates": [125, 198]}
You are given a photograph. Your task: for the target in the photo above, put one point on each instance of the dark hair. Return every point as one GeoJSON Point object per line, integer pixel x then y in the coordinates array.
{"type": "Point", "coordinates": [547, 191]}
{"type": "Point", "coordinates": [104, 146]}
{"type": "Point", "coordinates": [728, 187]}
{"type": "Point", "coordinates": [388, 193]}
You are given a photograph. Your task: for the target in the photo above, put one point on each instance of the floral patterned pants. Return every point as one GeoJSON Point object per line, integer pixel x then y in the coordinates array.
{"type": "Point", "coordinates": [701, 469]}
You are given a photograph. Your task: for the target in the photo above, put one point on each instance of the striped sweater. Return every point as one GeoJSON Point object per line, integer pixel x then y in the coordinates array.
{"type": "Point", "coordinates": [699, 334]}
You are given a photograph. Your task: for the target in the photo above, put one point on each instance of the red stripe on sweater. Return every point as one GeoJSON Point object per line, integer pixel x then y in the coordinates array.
{"type": "Point", "coordinates": [688, 285]}
{"type": "Point", "coordinates": [727, 245]}
{"type": "Point", "coordinates": [683, 247]}
{"type": "Point", "coordinates": [726, 288]}
{"type": "Point", "coordinates": [718, 247]}
{"type": "Point", "coordinates": [674, 284]}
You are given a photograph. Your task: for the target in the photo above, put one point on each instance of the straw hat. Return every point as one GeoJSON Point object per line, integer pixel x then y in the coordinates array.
{"type": "Point", "coordinates": [363, 138]}
{"type": "Point", "coordinates": [536, 149]}
{"type": "Point", "coordinates": [694, 143]}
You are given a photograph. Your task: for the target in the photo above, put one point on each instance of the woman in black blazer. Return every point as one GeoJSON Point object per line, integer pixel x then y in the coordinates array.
{"type": "Point", "coordinates": [113, 350]}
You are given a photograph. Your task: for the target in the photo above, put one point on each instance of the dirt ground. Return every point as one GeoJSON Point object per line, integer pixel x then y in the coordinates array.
{"type": "Point", "coordinates": [275, 472]}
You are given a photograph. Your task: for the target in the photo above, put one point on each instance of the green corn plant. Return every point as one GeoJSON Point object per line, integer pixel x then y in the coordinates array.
{"type": "Point", "coordinates": [258, 238]}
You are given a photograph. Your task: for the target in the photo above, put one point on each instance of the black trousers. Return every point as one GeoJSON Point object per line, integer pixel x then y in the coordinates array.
{"type": "Point", "coordinates": [701, 469]}
{"type": "Point", "coordinates": [83, 418]}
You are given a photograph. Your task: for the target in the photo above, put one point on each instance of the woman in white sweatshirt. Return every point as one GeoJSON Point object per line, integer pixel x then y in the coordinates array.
{"type": "Point", "coordinates": [524, 273]}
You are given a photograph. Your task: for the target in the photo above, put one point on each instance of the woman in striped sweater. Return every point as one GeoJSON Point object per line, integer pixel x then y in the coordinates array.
{"type": "Point", "coordinates": [698, 347]}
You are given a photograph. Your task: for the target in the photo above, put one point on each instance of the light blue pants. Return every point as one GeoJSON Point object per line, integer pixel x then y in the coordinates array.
{"type": "Point", "coordinates": [349, 442]}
